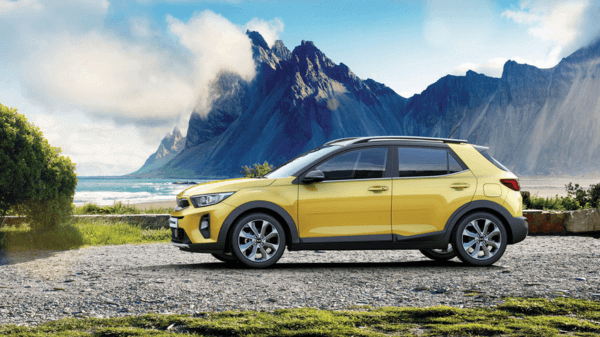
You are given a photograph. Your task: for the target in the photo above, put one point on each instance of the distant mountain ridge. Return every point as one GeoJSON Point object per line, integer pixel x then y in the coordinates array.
{"type": "Point", "coordinates": [169, 147]}
{"type": "Point", "coordinates": [536, 121]}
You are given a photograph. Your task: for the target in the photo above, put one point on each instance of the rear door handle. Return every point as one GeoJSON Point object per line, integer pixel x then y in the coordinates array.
{"type": "Point", "coordinates": [459, 186]}
{"type": "Point", "coordinates": [378, 188]}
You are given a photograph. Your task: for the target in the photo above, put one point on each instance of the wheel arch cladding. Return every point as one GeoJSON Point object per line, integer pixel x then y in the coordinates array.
{"type": "Point", "coordinates": [274, 210]}
{"type": "Point", "coordinates": [485, 206]}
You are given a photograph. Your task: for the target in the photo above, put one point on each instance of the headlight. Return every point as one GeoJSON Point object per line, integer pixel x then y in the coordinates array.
{"type": "Point", "coordinates": [209, 199]}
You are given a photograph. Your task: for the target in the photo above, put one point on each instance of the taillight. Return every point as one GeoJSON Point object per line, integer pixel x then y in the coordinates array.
{"type": "Point", "coordinates": [513, 184]}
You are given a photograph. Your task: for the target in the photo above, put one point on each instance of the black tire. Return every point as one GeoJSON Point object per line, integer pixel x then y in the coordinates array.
{"type": "Point", "coordinates": [270, 241]}
{"type": "Point", "coordinates": [225, 257]}
{"type": "Point", "coordinates": [440, 254]}
{"type": "Point", "coordinates": [494, 239]}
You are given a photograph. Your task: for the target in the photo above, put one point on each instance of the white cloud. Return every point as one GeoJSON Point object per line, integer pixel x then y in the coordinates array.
{"type": "Point", "coordinates": [493, 67]}
{"type": "Point", "coordinates": [102, 74]}
{"type": "Point", "coordinates": [568, 24]}
{"type": "Point", "coordinates": [218, 45]}
{"type": "Point", "coordinates": [270, 30]}
{"type": "Point", "coordinates": [140, 27]}
{"type": "Point", "coordinates": [7, 6]}
{"type": "Point", "coordinates": [557, 21]}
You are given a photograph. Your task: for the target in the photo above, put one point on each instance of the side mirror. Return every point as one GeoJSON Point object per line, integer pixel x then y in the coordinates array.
{"type": "Point", "coordinates": [313, 176]}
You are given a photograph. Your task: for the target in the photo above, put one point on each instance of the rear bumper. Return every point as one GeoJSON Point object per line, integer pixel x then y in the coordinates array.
{"type": "Point", "coordinates": [519, 228]}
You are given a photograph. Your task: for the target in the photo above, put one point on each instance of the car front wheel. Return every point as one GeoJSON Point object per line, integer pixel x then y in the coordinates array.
{"type": "Point", "coordinates": [480, 239]}
{"type": "Point", "coordinates": [258, 240]}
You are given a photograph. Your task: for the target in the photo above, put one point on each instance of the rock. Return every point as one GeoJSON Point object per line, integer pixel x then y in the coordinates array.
{"type": "Point", "coordinates": [581, 221]}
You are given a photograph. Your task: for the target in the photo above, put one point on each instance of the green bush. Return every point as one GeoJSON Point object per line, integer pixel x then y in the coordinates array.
{"type": "Point", "coordinates": [257, 170]}
{"type": "Point", "coordinates": [578, 193]}
{"type": "Point", "coordinates": [577, 198]}
{"type": "Point", "coordinates": [594, 194]}
{"type": "Point", "coordinates": [36, 180]}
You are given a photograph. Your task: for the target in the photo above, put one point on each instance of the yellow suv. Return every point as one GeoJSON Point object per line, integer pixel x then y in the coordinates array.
{"type": "Point", "coordinates": [444, 197]}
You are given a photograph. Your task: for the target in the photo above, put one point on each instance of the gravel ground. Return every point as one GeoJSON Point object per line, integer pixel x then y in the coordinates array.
{"type": "Point", "coordinates": [135, 279]}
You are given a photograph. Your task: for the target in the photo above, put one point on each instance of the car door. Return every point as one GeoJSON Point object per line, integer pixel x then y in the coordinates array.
{"type": "Point", "coordinates": [353, 203]}
{"type": "Point", "coordinates": [431, 183]}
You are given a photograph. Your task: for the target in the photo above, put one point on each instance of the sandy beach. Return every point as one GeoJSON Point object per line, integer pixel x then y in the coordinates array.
{"type": "Point", "coordinates": [551, 186]}
{"type": "Point", "coordinates": [156, 204]}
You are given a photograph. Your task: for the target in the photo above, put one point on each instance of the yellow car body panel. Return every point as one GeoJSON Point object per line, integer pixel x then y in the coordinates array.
{"type": "Point", "coordinates": [424, 204]}
{"type": "Point", "coordinates": [344, 208]}
{"type": "Point", "coordinates": [229, 185]}
{"type": "Point", "coordinates": [279, 191]}
{"type": "Point", "coordinates": [488, 174]}
{"type": "Point", "coordinates": [189, 221]}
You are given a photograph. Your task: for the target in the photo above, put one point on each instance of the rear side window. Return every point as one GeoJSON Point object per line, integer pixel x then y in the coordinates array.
{"type": "Point", "coordinates": [357, 164]}
{"type": "Point", "coordinates": [484, 152]}
{"type": "Point", "coordinates": [426, 162]}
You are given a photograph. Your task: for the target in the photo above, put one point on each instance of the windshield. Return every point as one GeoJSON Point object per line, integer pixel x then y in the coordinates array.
{"type": "Point", "coordinates": [292, 166]}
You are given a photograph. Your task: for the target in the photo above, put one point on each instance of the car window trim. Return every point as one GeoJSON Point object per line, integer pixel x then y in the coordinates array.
{"type": "Point", "coordinates": [449, 151]}
{"type": "Point", "coordinates": [346, 180]}
{"type": "Point", "coordinates": [388, 173]}
{"type": "Point", "coordinates": [442, 175]}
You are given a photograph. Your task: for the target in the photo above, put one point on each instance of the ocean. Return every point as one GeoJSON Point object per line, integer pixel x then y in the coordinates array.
{"type": "Point", "coordinates": [105, 191]}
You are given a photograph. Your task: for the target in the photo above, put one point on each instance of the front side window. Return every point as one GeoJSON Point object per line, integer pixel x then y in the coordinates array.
{"type": "Point", "coordinates": [426, 162]}
{"type": "Point", "coordinates": [357, 164]}
{"type": "Point", "coordinates": [292, 166]}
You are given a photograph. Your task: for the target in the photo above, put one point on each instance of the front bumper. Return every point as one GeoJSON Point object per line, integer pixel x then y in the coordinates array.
{"type": "Point", "coordinates": [180, 240]}
{"type": "Point", "coordinates": [519, 228]}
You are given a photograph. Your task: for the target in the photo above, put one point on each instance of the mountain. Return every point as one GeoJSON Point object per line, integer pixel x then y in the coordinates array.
{"type": "Point", "coordinates": [536, 121]}
{"type": "Point", "coordinates": [169, 147]}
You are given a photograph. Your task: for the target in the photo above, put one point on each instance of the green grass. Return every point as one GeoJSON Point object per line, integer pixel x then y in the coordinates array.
{"type": "Point", "coordinates": [517, 317]}
{"type": "Point", "coordinates": [79, 234]}
{"type": "Point", "coordinates": [118, 208]}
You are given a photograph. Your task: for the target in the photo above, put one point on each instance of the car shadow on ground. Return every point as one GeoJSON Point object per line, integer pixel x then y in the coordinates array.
{"type": "Point", "coordinates": [311, 266]}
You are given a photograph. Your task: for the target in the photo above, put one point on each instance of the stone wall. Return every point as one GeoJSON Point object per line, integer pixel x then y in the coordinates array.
{"type": "Point", "coordinates": [563, 222]}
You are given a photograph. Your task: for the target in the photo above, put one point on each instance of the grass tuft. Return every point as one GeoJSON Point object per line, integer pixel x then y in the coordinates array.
{"type": "Point", "coordinates": [119, 208]}
{"type": "Point", "coordinates": [566, 316]}
{"type": "Point", "coordinates": [79, 234]}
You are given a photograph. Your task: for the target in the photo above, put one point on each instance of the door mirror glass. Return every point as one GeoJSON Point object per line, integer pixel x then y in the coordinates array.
{"type": "Point", "coordinates": [314, 176]}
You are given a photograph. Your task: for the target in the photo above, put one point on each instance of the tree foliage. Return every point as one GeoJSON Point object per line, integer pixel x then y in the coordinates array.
{"type": "Point", "coordinates": [35, 179]}
{"type": "Point", "coordinates": [257, 170]}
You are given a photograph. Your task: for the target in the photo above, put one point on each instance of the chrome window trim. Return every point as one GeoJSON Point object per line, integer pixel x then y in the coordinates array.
{"type": "Point", "coordinates": [365, 179]}
{"type": "Point", "coordinates": [443, 175]}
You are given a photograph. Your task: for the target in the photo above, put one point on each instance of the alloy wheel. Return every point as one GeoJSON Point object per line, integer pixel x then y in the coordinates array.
{"type": "Point", "coordinates": [259, 240]}
{"type": "Point", "coordinates": [481, 239]}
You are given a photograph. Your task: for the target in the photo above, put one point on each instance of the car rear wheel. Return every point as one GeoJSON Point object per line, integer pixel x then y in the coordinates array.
{"type": "Point", "coordinates": [258, 240]}
{"type": "Point", "coordinates": [480, 239]}
{"type": "Point", "coordinates": [440, 254]}
{"type": "Point", "coordinates": [224, 257]}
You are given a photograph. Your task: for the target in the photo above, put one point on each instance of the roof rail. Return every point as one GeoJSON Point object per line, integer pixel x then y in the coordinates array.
{"type": "Point", "coordinates": [340, 140]}
{"type": "Point", "coordinates": [380, 138]}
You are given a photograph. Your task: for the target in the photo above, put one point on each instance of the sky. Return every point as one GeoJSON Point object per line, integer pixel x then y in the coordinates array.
{"type": "Point", "coordinates": [106, 80]}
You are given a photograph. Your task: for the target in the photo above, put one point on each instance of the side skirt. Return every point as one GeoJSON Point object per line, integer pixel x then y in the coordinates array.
{"type": "Point", "coordinates": [369, 245]}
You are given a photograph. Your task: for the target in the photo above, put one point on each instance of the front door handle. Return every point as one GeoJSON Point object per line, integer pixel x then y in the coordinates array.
{"type": "Point", "coordinates": [459, 186]}
{"type": "Point", "coordinates": [378, 188]}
